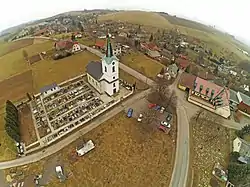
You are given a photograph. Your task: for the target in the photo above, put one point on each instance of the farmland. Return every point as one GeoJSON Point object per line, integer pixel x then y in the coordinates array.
{"type": "Point", "coordinates": [138, 17]}
{"type": "Point", "coordinates": [126, 154]}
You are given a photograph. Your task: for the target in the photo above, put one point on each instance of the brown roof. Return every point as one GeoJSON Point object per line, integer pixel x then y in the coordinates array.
{"type": "Point", "coordinates": [187, 80]}
{"type": "Point", "coordinates": [64, 44]}
{"type": "Point", "coordinates": [100, 43]}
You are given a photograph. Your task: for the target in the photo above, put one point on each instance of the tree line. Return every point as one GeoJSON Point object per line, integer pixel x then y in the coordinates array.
{"type": "Point", "coordinates": [12, 121]}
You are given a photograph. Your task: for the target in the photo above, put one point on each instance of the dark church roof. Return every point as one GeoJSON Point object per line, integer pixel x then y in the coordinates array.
{"type": "Point", "coordinates": [95, 69]}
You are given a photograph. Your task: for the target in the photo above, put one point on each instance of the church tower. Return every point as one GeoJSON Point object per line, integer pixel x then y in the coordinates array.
{"type": "Point", "coordinates": [110, 70]}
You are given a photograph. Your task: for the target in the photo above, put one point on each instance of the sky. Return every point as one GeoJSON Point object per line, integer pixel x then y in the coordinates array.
{"type": "Point", "coordinates": [230, 16]}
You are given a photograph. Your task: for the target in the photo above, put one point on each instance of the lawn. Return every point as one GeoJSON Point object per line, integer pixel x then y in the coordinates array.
{"type": "Point", "coordinates": [86, 41]}
{"type": "Point", "coordinates": [47, 72]}
{"type": "Point", "coordinates": [138, 17]}
{"type": "Point", "coordinates": [126, 154]}
{"type": "Point", "coordinates": [142, 64]}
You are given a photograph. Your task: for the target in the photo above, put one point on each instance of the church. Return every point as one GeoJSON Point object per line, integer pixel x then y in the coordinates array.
{"type": "Point", "coordinates": [104, 76]}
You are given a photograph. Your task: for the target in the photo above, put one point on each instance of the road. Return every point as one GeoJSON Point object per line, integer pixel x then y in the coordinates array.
{"type": "Point", "coordinates": [71, 138]}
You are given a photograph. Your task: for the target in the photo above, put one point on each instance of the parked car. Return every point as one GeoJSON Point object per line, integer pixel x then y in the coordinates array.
{"type": "Point", "coordinates": [130, 113]}
{"type": "Point", "coordinates": [157, 107]}
{"type": "Point", "coordinates": [165, 124]}
{"type": "Point", "coordinates": [140, 118]}
{"type": "Point", "coordinates": [168, 117]}
{"type": "Point", "coordinates": [151, 105]}
{"type": "Point", "coordinates": [162, 110]}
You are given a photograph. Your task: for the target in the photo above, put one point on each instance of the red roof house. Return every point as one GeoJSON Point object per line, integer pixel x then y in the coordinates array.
{"type": "Point", "coordinates": [183, 64]}
{"type": "Point", "coordinates": [149, 46]}
{"type": "Point", "coordinates": [64, 45]}
{"type": "Point", "coordinates": [100, 44]}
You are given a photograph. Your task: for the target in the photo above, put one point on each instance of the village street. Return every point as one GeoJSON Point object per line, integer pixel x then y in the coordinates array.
{"type": "Point", "coordinates": [185, 111]}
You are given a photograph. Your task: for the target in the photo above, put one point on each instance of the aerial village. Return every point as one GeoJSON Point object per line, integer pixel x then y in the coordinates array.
{"type": "Point", "coordinates": [188, 71]}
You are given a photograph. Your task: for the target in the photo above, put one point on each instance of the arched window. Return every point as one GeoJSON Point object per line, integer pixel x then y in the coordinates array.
{"type": "Point", "coordinates": [105, 69]}
{"type": "Point", "coordinates": [114, 84]}
{"type": "Point", "coordinates": [113, 63]}
{"type": "Point", "coordinates": [113, 69]}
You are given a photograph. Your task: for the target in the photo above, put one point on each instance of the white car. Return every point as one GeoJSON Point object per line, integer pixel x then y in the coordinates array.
{"type": "Point", "coordinates": [165, 124]}
{"type": "Point", "coordinates": [140, 118]}
{"type": "Point", "coordinates": [162, 110]}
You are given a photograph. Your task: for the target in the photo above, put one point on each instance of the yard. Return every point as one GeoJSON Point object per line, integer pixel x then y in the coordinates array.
{"type": "Point", "coordinates": [142, 64]}
{"type": "Point", "coordinates": [125, 155]}
{"type": "Point", "coordinates": [211, 144]}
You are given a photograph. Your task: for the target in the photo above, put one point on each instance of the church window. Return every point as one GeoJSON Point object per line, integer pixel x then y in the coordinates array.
{"type": "Point", "coordinates": [105, 69]}
{"type": "Point", "coordinates": [113, 84]}
{"type": "Point", "coordinates": [113, 77]}
{"type": "Point", "coordinates": [113, 63]}
{"type": "Point", "coordinates": [113, 69]}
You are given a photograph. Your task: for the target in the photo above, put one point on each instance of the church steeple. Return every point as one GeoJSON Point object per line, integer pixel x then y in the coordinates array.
{"type": "Point", "coordinates": [109, 51]}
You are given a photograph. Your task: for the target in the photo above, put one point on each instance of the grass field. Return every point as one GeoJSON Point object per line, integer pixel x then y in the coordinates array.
{"type": "Point", "coordinates": [138, 17]}
{"type": "Point", "coordinates": [142, 64]}
{"type": "Point", "coordinates": [126, 154]}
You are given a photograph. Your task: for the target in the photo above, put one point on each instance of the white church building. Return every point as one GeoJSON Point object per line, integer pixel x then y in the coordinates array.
{"type": "Point", "coordinates": [104, 76]}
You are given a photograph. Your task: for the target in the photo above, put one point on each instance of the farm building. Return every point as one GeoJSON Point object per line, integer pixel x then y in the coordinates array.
{"type": "Point", "coordinates": [85, 148]}
{"type": "Point", "coordinates": [186, 81]}
{"type": "Point", "coordinates": [49, 89]}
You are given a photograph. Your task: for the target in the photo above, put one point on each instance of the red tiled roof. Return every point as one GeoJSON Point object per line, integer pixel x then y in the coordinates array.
{"type": "Point", "coordinates": [64, 44]}
{"type": "Point", "coordinates": [206, 85]}
{"type": "Point", "coordinates": [150, 46]}
{"type": "Point", "coordinates": [100, 43]}
{"type": "Point", "coordinates": [183, 63]}
{"type": "Point", "coordinates": [187, 80]}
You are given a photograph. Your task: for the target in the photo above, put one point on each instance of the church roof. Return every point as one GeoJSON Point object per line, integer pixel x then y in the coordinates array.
{"type": "Point", "coordinates": [95, 69]}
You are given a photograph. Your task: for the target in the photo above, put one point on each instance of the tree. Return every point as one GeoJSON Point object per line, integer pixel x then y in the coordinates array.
{"type": "Point", "coordinates": [188, 69]}
{"type": "Point", "coordinates": [233, 157]}
{"type": "Point", "coordinates": [245, 130]}
{"type": "Point", "coordinates": [73, 37]}
{"type": "Point", "coordinates": [25, 55]}
{"type": "Point", "coordinates": [151, 38]}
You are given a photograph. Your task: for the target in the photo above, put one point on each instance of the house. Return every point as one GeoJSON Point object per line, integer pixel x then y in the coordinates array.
{"type": "Point", "coordinates": [104, 76]}
{"type": "Point", "coordinates": [234, 73]}
{"type": "Point", "coordinates": [49, 89]}
{"type": "Point", "coordinates": [239, 101]}
{"type": "Point", "coordinates": [182, 63]}
{"type": "Point", "coordinates": [186, 81]}
{"type": "Point", "coordinates": [245, 87]}
{"type": "Point", "coordinates": [64, 45]}
{"type": "Point", "coordinates": [153, 54]}
{"type": "Point", "coordinates": [243, 148]}
{"type": "Point", "coordinates": [123, 34]}
{"type": "Point", "coordinates": [172, 70]}
{"type": "Point", "coordinates": [100, 44]}
{"type": "Point", "coordinates": [76, 47]}
{"type": "Point", "coordinates": [210, 96]}
{"type": "Point", "coordinates": [233, 100]}
{"type": "Point", "coordinates": [117, 50]}
{"type": "Point", "coordinates": [60, 174]}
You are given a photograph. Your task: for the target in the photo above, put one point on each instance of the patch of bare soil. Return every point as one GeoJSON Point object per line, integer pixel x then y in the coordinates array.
{"type": "Point", "coordinates": [27, 129]}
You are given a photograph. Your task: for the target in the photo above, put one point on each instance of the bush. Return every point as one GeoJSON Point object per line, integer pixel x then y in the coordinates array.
{"type": "Point", "coordinates": [233, 157]}
{"type": "Point", "coordinates": [245, 130]}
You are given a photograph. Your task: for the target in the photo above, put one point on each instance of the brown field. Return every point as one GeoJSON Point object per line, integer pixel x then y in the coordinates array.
{"type": "Point", "coordinates": [6, 48]}
{"type": "Point", "coordinates": [144, 18]}
{"type": "Point", "coordinates": [16, 87]}
{"type": "Point", "coordinates": [142, 64]}
{"type": "Point", "coordinates": [47, 72]}
{"type": "Point", "coordinates": [126, 154]}
{"type": "Point", "coordinates": [211, 144]}
{"type": "Point", "coordinates": [27, 129]}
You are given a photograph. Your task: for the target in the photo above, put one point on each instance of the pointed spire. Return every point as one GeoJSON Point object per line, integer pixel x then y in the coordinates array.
{"type": "Point", "coordinates": [109, 51]}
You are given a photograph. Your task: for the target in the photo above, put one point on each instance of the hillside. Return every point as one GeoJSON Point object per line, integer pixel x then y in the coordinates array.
{"type": "Point", "coordinates": [138, 17]}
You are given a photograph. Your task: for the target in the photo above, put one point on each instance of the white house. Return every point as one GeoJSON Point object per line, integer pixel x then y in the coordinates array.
{"type": "Point", "coordinates": [234, 73]}
{"type": "Point", "coordinates": [104, 76]}
{"type": "Point", "coordinates": [76, 48]}
{"type": "Point", "coordinates": [49, 89]}
{"type": "Point", "coordinates": [243, 148]}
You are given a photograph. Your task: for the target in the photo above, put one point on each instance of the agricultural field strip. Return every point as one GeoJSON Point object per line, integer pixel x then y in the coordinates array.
{"type": "Point", "coordinates": [62, 115]}
{"type": "Point", "coordinates": [82, 92]}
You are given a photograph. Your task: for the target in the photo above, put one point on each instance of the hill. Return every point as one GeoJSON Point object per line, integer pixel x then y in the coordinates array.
{"type": "Point", "coordinates": [137, 17]}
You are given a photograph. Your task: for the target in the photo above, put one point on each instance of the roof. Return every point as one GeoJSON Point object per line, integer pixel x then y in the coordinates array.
{"type": "Point", "coordinates": [100, 43]}
{"type": "Point", "coordinates": [183, 63]}
{"type": "Point", "coordinates": [150, 46]}
{"type": "Point", "coordinates": [233, 96]}
{"type": "Point", "coordinates": [187, 80]}
{"type": "Point", "coordinates": [94, 69]}
{"type": "Point", "coordinates": [64, 44]}
{"type": "Point", "coordinates": [48, 87]}
{"type": "Point", "coordinates": [212, 90]}
{"type": "Point", "coordinates": [244, 148]}
{"type": "Point", "coordinates": [173, 68]}
{"type": "Point", "coordinates": [154, 54]}
{"type": "Point", "coordinates": [205, 75]}
{"type": "Point", "coordinates": [243, 98]}
{"type": "Point", "coordinates": [85, 148]}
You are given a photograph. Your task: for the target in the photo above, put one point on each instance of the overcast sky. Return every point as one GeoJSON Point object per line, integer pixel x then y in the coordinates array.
{"type": "Point", "coordinates": [231, 16]}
